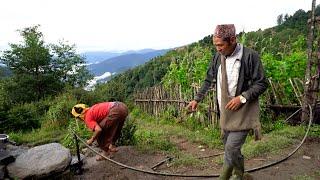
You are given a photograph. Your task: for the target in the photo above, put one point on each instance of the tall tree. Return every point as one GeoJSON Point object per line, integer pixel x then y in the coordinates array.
{"type": "Point", "coordinates": [40, 70]}
{"type": "Point", "coordinates": [69, 66]}
{"type": "Point", "coordinates": [280, 19]}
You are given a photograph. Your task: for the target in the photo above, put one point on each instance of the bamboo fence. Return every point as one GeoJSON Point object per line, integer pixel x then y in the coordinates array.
{"type": "Point", "coordinates": [157, 100]}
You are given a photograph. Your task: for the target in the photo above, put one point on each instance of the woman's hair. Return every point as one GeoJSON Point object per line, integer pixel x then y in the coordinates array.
{"type": "Point", "coordinates": [78, 110]}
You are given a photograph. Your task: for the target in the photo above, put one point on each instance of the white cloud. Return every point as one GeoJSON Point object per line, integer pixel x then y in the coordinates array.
{"type": "Point", "coordinates": [94, 81]}
{"type": "Point", "coordinates": [136, 24]}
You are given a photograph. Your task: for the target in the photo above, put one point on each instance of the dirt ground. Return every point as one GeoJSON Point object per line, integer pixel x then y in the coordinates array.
{"type": "Point", "coordinates": [304, 163]}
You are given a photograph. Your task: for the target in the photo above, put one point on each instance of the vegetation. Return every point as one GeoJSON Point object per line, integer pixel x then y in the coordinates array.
{"type": "Point", "coordinates": [43, 82]}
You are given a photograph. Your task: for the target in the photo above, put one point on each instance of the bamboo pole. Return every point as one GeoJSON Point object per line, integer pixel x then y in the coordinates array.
{"type": "Point", "coordinates": [307, 99]}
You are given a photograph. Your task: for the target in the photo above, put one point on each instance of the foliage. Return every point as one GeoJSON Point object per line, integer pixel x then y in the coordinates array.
{"type": "Point", "coordinates": [38, 136]}
{"type": "Point", "coordinates": [273, 142]}
{"type": "Point", "coordinates": [68, 66]}
{"type": "Point", "coordinates": [182, 159]}
{"type": "Point", "coordinates": [163, 129]}
{"type": "Point", "coordinates": [21, 118]}
{"type": "Point", "coordinates": [79, 128]}
{"type": "Point", "coordinates": [58, 115]}
{"type": "Point", "coordinates": [127, 133]}
{"type": "Point", "coordinates": [153, 141]}
{"type": "Point", "coordinates": [4, 72]}
{"type": "Point", "coordinates": [188, 68]}
{"type": "Point", "coordinates": [41, 70]}
{"type": "Point", "coordinates": [122, 86]}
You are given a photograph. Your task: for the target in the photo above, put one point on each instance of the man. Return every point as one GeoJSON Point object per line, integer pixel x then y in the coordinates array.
{"type": "Point", "coordinates": [105, 120]}
{"type": "Point", "coordinates": [239, 77]}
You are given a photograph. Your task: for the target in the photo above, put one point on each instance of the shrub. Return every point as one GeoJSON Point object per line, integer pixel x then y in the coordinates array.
{"type": "Point", "coordinates": [23, 117]}
{"type": "Point", "coordinates": [59, 112]}
{"type": "Point", "coordinates": [127, 134]}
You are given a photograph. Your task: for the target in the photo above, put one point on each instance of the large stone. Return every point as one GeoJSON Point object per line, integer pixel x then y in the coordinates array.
{"type": "Point", "coordinates": [15, 151]}
{"type": "Point", "coordinates": [2, 171]}
{"type": "Point", "coordinates": [40, 161]}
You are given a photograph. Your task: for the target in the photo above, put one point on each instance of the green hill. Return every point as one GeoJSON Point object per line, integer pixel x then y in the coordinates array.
{"type": "Point", "coordinates": [282, 47]}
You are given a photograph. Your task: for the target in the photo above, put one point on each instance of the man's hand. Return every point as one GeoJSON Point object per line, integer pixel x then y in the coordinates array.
{"type": "Point", "coordinates": [192, 106]}
{"type": "Point", "coordinates": [234, 104]}
{"type": "Point", "coordinates": [90, 141]}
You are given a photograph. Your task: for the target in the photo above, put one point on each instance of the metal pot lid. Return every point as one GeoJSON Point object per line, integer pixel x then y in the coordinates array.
{"type": "Point", "coordinates": [3, 137]}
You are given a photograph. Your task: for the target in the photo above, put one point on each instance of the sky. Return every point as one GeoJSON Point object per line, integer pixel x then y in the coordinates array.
{"type": "Point", "coordinates": [120, 25]}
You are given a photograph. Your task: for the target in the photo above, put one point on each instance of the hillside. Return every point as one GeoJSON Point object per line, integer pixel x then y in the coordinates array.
{"type": "Point", "coordinates": [284, 41]}
{"type": "Point", "coordinates": [123, 62]}
{"type": "Point", "coordinates": [99, 56]}
{"type": "Point", "coordinates": [4, 71]}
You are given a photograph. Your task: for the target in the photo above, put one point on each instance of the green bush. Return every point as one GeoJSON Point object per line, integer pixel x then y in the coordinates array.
{"type": "Point", "coordinates": [81, 130]}
{"type": "Point", "coordinates": [23, 117]}
{"type": "Point", "coordinates": [127, 134]}
{"type": "Point", "coordinates": [153, 141]}
{"type": "Point", "coordinates": [59, 112]}
{"type": "Point", "coordinates": [83, 96]}
{"type": "Point", "coordinates": [126, 138]}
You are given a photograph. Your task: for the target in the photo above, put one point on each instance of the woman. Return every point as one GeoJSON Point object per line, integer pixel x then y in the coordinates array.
{"type": "Point", "coordinates": [105, 120]}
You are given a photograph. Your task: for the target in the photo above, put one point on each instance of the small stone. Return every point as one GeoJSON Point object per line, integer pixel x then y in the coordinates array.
{"type": "Point", "coordinates": [202, 150]}
{"type": "Point", "coordinates": [84, 150]}
{"type": "Point", "coordinates": [306, 157]}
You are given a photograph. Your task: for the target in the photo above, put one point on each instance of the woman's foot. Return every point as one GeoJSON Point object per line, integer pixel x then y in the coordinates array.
{"type": "Point", "coordinates": [99, 158]}
{"type": "Point", "coordinates": [113, 148]}
{"type": "Point", "coordinates": [106, 154]}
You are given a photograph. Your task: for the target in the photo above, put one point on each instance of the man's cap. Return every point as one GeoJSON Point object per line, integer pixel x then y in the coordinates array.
{"type": "Point", "coordinates": [225, 31]}
{"type": "Point", "coordinates": [78, 106]}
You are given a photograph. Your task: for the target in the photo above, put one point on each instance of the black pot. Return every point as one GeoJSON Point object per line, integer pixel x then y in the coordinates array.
{"type": "Point", "coordinates": [4, 138]}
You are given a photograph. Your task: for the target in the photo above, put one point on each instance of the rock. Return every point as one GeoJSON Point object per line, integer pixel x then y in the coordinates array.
{"type": "Point", "coordinates": [5, 157]}
{"type": "Point", "coordinates": [15, 151]}
{"type": "Point", "coordinates": [306, 157]}
{"type": "Point", "coordinates": [40, 161]}
{"type": "Point", "coordinates": [2, 171]}
{"type": "Point", "coordinates": [75, 159]}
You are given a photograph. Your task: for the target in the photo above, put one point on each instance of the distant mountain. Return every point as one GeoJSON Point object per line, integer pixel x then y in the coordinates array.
{"type": "Point", "coordinates": [123, 62]}
{"type": "Point", "coordinates": [99, 56]}
{"type": "Point", "coordinates": [4, 71]}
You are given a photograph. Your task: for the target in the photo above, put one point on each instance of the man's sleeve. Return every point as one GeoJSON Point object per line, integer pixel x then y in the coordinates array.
{"type": "Point", "coordinates": [259, 80]}
{"type": "Point", "coordinates": [207, 82]}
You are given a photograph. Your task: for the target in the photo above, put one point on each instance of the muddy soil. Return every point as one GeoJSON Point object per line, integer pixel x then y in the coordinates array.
{"type": "Point", "coordinates": [304, 163]}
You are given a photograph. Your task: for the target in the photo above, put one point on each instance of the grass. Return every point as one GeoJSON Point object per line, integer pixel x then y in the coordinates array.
{"type": "Point", "coordinates": [273, 142]}
{"type": "Point", "coordinates": [38, 136]}
{"type": "Point", "coordinates": [154, 134]}
{"type": "Point", "coordinates": [313, 176]}
{"type": "Point", "coordinates": [153, 141]}
{"type": "Point", "coordinates": [167, 128]}
{"type": "Point", "coordinates": [184, 159]}
{"type": "Point", "coordinates": [303, 177]}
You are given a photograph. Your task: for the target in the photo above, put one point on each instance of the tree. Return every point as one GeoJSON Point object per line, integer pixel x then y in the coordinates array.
{"type": "Point", "coordinates": [280, 19]}
{"type": "Point", "coordinates": [40, 70]}
{"type": "Point", "coordinates": [69, 66]}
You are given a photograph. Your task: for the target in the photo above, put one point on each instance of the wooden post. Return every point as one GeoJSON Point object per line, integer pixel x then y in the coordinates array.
{"type": "Point", "coordinates": [307, 99]}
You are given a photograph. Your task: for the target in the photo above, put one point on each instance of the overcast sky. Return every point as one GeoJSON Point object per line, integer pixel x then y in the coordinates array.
{"type": "Point", "coordinates": [108, 25]}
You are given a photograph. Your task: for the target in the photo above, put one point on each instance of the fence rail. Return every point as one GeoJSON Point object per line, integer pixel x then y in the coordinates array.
{"type": "Point", "coordinates": [156, 100]}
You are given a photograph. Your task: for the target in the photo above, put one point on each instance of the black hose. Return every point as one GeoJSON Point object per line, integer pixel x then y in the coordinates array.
{"type": "Point", "coordinates": [212, 175]}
